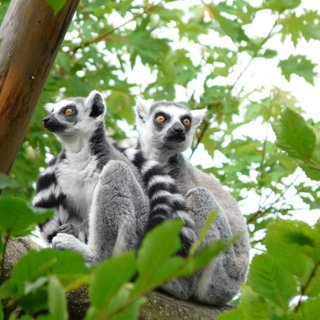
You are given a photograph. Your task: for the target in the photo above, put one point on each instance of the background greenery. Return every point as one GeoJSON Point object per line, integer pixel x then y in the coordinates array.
{"type": "Point", "coordinates": [199, 53]}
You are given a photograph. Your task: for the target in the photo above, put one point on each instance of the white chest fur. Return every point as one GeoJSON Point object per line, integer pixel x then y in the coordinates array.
{"type": "Point", "coordinates": [78, 178]}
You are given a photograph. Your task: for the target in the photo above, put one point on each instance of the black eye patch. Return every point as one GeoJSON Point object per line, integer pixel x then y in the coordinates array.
{"type": "Point", "coordinates": [160, 118]}
{"type": "Point", "coordinates": [186, 121]}
{"type": "Point", "coordinates": [69, 111]}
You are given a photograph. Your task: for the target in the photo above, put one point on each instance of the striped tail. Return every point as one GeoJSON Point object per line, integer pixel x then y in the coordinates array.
{"type": "Point", "coordinates": [166, 202]}
{"type": "Point", "coordinates": [48, 193]}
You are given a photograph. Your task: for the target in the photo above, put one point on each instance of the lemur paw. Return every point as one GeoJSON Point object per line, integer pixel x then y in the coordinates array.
{"type": "Point", "coordinates": [69, 229]}
{"type": "Point", "coordinates": [63, 241]}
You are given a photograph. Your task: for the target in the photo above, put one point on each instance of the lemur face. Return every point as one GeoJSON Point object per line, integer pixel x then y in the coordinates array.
{"type": "Point", "coordinates": [167, 125]}
{"type": "Point", "coordinates": [69, 116]}
{"type": "Point", "coordinates": [171, 125]}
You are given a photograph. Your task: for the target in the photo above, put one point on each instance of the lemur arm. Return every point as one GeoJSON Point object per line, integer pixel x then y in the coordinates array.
{"type": "Point", "coordinates": [50, 228]}
{"type": "Point", "coordinates": [80, 232]}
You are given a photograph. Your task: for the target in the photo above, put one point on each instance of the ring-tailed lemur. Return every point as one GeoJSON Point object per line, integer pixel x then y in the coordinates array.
{"type": "Point", "coordinates": [92, 177]}
{"type": "Point", "coordinates": [165, 130]}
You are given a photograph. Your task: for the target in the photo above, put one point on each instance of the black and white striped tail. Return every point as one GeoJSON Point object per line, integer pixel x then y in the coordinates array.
{"type": "Point", "coordinates": [166, 202]}
{"type": "Point", "coordinates": [49, 195]}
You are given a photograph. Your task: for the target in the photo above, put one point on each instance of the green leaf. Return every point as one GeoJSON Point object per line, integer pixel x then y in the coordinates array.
{"type": "Point", "coordinates": [293, 244]}
{"type": "Point", "coordinates": [252, 306]}
{"type": "Point", "coordinates": [203, 257]}
{"type": "Point", "coordinates": [155, 259]}
{"type": "Point", "coordinates": [17, 219]}
{"type": "Point", "coordinates": [295, 136]}
{"type": "Point", "coordinates": [281, 5]}
{"type": "Point", "coordinates": [6, 182]}
{"type": "Point", "coordinates": [272, 281]}
{"type": "Point", "coordinates": [120, 306]}
{"type": "Point", "coordinates": [313, 288]}
{"type": "Point", "coordinates": [150, 49]}
{"type": "Point", "coordinates": [231, 27]}
{"type": "Point", "coordinates": [305, 26]}
{"type": "Point", "coordinates": [269, 54]}
{"type": "Point", "coordinates": [56, 5]}
{"type": "Point", "coordinates": [119, 270]}
{"type": "Point", "coordinates": [35, 301]}
{"type": "Point", "coordinates": [300, 66]}
{"type": "Point", "coordinates": [130, 312]}
{"type": "Point", "coordinates": [32, 270]}
{"type": "Point", "coordinates": [57, 300]}
{"type": "Point", "coordinates": [204, 231]}
{"type": "Point", "coordinates": [300, 141]}
{"type": "Point", "coordinates": [309, 309]}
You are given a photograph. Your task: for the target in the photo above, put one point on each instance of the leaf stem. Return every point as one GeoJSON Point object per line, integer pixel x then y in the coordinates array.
{"type": "Point", "coordinates": [305, 287]}
{"type": "Point", "coordinates": [255, 54]}
{"type": "Point", "coordinates": [205, 126]}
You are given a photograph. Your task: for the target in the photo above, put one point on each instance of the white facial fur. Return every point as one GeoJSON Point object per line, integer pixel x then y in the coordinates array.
{"type": "Point", "coordinates": [81, 125]}
{"type": "Point", "coordinates": [154, 140]}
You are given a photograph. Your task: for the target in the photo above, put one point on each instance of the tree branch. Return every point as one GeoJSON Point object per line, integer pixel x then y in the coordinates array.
{"type": "Point", "coordinates": [105, 35]}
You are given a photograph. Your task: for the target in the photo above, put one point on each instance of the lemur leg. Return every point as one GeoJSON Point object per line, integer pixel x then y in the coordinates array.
{"type": "Point", "coordinates": [200, 203]}
{"type": "Point", "coordinates": [117, 216]}
{"type": "Point", "coordinates": [122, 197]}
{"type": "Point", "coordinates": [219, 281]}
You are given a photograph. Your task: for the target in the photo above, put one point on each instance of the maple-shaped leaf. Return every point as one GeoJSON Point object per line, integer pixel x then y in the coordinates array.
{"type": "Point", "coordinates": [300, 66]}
{"type": "Point", "coordinates": [304, 26]}
{"type": "Point", "coordinates": [233, 27]}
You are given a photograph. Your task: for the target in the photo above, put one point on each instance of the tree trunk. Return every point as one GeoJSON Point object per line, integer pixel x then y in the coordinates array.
{"type": "Point", "coordinates": [30, 37]}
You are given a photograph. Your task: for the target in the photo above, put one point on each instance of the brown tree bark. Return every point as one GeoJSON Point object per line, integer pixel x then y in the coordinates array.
{"type": "Point", "coordinates": [30, 37]}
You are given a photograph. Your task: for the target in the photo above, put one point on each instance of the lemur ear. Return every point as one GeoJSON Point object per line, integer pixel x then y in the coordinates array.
{"type": "Point", "coordinates": [142, 110]}
{"type": "Point", "coordinates": [49, 107]}
{"type": "Point", "coordinates": [197, 116]}
{"type": "Point", "coordinates": [95, 104]}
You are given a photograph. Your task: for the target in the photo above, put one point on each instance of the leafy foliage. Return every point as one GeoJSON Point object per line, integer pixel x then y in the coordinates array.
{"type": "Point", "coordinates": [201, 53]}
{"type": "Point", "coordinates": [40, 280]}
{"type": "Point", "coordinates": [299, 65]}
{"type": "Point", "coordinates": [284, 282]}
{"type": "Point", "coordinates": [300, 142]}
{"type": "Point", "coordinates": [17, 219]}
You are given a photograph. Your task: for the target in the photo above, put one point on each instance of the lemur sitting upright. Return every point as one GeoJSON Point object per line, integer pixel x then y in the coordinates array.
{"type": "Point", "coordinates": [92, 179]}
{"type": "Point", "coordinates": [165, 130]}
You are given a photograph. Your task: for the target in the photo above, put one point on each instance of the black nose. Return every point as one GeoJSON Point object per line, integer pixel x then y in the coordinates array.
{"type": "Point", "coordinates": [45, 120]}
{"type": "Point", "coordinates": [177, 128]}
{"type": "Point", "coordinates": [176, 133]}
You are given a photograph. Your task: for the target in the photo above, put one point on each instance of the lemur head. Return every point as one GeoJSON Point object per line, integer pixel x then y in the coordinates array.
{"type": "Point", "coordinates": [166, 128]}
{"type": "Point", "coordinates": [73, 118]}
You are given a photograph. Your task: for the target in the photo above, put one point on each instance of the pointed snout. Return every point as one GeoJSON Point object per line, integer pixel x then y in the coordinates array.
{"type": "Point", "coordinates": [52, 124]}
{"type": "Point", "coordinates": [176, 132]}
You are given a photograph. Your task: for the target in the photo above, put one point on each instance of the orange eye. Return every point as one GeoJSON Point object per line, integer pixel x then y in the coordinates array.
{"type": "Point", "coordinates": [160, 119]}
{"type": "Point", "coordinates": [68, 112]}
{"type": "Point", "coordinates": [186, 122]}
